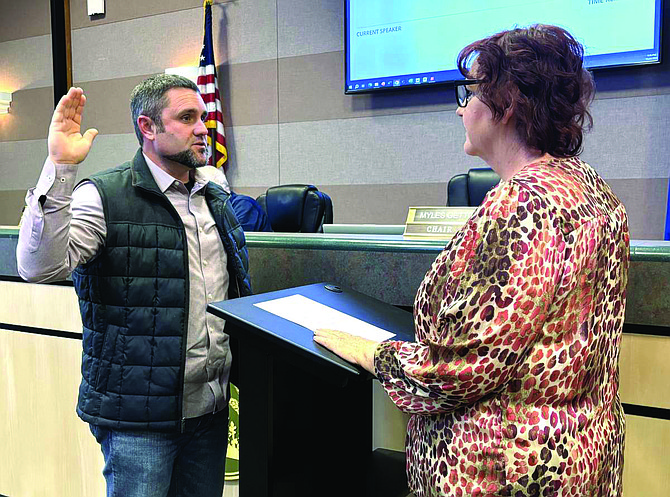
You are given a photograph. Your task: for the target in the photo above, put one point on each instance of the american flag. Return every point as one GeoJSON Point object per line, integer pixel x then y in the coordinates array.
{"type": "Point", "coordinates": [209, 89]}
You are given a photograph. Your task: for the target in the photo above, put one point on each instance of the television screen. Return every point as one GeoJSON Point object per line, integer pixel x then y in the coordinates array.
{"type": "Point", "coordinates": [401, 43]}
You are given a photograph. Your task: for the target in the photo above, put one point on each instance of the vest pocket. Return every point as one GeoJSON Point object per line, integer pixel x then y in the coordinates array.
{"type": "Point", "coordinates": [106, 357]}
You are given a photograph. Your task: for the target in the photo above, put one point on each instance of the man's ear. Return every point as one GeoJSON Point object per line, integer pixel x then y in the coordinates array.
{"type": "Point", "coordinates": [147, 127]}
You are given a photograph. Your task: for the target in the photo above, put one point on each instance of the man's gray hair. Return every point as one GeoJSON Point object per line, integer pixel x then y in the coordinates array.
{"type": "Point", "coordinates": [149, 99]}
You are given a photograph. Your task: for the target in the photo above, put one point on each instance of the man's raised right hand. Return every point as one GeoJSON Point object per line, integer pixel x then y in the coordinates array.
{"type": "Point", "coordinates": [66, 143]}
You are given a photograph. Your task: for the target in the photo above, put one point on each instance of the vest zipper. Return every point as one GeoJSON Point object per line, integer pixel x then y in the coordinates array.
{"type": "Point", "coordinates": [182, 369]}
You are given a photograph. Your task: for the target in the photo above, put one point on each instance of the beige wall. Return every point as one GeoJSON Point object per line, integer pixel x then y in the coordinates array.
{"type": "Point", "coordinates": [280, 73]}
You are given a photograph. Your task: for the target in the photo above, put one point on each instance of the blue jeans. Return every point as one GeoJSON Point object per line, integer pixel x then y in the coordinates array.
{"type": "Point", "coordinates": [154, 464]}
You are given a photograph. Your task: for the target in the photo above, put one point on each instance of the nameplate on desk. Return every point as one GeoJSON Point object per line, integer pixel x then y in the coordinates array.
{"type": "Point", "coordinates": [440, 223]}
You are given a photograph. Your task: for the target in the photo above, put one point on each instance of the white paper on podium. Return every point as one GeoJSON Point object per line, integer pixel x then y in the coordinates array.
{"type": "Point", "coordinates": [313, 315]}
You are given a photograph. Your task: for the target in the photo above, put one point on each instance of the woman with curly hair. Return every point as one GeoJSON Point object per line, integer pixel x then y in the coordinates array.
{"type": "Point", "coordinates": [512, 382]}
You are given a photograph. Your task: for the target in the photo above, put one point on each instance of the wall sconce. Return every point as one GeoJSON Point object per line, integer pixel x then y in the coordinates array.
{"type": "Point", "coordinates": [190, 72]}
{"type": "Point", "coordinates": [5, 102]}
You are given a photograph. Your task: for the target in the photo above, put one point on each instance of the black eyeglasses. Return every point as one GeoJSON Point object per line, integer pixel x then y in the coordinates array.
{"type": "Point", "coordinates": [463, 93]}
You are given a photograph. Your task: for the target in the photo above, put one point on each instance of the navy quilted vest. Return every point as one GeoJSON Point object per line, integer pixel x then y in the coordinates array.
{"type": "Point", "coordinates": [133, 297]}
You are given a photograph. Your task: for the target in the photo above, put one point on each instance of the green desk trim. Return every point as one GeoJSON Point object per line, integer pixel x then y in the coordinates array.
{"type": "Point", "coordinates": [640, 250]}
{"type": "Point", "coordinates": [650, 250]}
{"type": "Point", "coordinates": [366, 243]}
{"type": "Point", "coordinates": [7, 232]}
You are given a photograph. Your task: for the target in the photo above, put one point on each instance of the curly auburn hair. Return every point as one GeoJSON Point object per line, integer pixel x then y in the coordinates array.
{"type": "Point", "coordinates": [537, 73]}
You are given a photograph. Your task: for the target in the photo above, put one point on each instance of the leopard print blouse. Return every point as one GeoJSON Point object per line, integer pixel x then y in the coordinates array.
{"type": "Point", "coordinates": [512, 382]}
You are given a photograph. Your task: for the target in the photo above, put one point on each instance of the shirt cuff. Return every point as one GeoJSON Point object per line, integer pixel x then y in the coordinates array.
{"type": "Point", "coordinates": [56, 180]}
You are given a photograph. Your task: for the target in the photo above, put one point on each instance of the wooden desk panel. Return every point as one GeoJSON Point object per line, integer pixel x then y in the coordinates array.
{"type": "Point", "coordinates": [46, 449]}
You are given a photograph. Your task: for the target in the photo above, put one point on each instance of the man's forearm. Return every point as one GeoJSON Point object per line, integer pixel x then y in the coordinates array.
{"type": "Point", "coordinates": [53, 241]}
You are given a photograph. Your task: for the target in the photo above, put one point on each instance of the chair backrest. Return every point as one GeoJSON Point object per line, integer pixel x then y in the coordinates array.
{"type": "Point", "coordinates": [468, 190]}
{"type": "Point", "coordinates": [297, 208]}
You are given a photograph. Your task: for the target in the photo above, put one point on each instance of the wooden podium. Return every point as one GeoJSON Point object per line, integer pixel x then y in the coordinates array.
{"type": "Point", "coordinates": [305, 413]}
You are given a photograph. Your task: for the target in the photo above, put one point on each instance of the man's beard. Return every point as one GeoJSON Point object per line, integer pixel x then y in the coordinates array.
{"type": "Point", "coordinates": [187, 158]}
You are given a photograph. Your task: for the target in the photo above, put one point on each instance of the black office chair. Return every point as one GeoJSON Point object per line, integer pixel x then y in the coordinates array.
{"type": "Point", "coordinates": [297, 208]}
{"type": "Point", "coordinates": [469, 189]}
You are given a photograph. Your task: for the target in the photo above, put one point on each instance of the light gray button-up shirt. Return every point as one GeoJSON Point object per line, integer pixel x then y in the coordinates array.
{"type": "Point", "coordinates": [62, 228]}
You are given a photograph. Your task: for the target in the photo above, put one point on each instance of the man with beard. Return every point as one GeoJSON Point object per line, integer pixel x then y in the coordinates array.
{"type": "Point", "coordinates": [149, 244]}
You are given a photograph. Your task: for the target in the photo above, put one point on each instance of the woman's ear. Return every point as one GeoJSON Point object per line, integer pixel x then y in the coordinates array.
{"type": "Point", "coordinates": [508, 114]}
{"type": "Point", "coordinates": [511, 106]}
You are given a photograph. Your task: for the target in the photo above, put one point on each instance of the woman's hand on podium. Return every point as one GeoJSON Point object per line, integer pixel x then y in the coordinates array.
{"type": "Point", "coordinates": [349, 347]}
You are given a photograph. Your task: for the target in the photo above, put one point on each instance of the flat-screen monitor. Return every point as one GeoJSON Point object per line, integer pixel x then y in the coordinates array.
{"type": "Point", "coordinates": [391, 44]}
